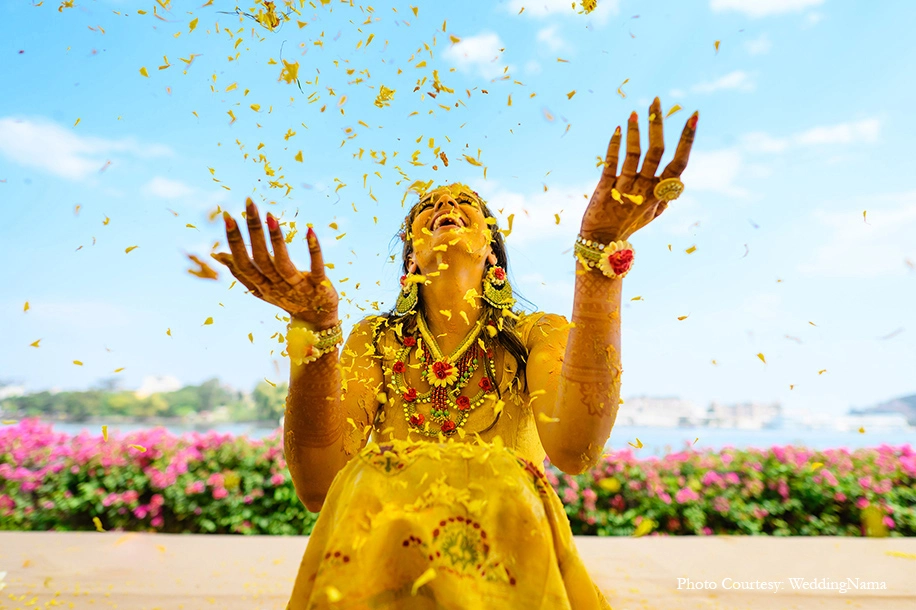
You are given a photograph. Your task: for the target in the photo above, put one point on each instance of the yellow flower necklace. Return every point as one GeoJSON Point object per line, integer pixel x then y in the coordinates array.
{"type": "Point", "coordinates": [447, 376]}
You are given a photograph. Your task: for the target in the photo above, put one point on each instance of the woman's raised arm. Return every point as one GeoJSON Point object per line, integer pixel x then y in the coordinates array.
{"type": "Point", "coordinates": [332, 397]}
{"type": "Point", "coordinates": [578, 406]}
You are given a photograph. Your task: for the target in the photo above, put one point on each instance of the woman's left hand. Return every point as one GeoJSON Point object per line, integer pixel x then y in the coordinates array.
{"type": "Point", "coordinates": [624, 203]}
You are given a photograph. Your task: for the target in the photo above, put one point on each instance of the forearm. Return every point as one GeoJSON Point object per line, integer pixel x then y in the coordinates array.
{"type": "Point", "coordinates": [589, 390]}
{"type": "Point", "coordinates": [313, 428]}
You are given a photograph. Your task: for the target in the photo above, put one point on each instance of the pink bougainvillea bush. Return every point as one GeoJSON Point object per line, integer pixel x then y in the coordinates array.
{"type": "Point", "coordinates": [782, 491]}
{"type": "Point", "coordinates": [155, 481]}
{"type": "Point", "coordinates": [146, 481]}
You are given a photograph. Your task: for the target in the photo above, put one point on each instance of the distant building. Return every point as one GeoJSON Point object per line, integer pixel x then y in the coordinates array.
{"type": "Point", "coordinates": [666, 412]}
{"type": "Point", "coordinates": [874, 422]}
{"type": "Point", "coordinates": [745, 415]}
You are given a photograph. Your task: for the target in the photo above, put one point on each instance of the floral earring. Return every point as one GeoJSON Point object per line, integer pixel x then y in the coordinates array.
{"type": "Point", "coordinates": [497, 291]}
{"type": "Point", "coordinates": [408, 297]}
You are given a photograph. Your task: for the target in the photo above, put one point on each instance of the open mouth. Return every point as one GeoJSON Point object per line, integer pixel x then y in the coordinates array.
{"type": "Point", "coordinates": [448, 220]}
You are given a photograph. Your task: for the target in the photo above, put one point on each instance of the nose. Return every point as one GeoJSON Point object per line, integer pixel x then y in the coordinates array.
{"type": "Point", "coordinates": [445, 201]}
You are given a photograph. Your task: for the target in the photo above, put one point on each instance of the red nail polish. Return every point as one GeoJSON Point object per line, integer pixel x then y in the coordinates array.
{"type": "Point", "coordinates": [310, 235]}
{"type": "Point", "coordinates": [693, 121]}
{"type": "Point", "coordinates": [271, 222]}
{"type": "Point", "coordinates": [617, 131]}
{"type": "Point", "coordinates": [230, 224]}
{"type": "Point", "coordinates": [633, 116]}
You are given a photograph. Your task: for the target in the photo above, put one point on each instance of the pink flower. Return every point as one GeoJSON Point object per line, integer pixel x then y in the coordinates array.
{"type": "Point", "coordinates": [219, 493]}
{"type": "Point", "coordinates": [862, 503]}
{"type": "Point", "coordinates": [686, 495]}
{"type": "Point", "coordinates": [157, 521]}
{"type": "Point", "coordinates": [889, 522]}
{"type": "Point", "coordinates": [839, 496]}
{"type": "Point", "coordinates": [277, 479]}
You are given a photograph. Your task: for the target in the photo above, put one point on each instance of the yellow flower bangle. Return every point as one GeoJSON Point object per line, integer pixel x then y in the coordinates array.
{"type": "Point", "coordinates": [304, 346]}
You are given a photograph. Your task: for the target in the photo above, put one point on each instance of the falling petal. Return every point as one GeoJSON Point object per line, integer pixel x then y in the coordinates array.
{"type": "Point", "coordinates": [762, 359]}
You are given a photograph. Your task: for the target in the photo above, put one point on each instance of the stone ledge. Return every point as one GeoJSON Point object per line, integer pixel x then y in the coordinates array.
{"type": "Point", "coordinates": [134, 571]}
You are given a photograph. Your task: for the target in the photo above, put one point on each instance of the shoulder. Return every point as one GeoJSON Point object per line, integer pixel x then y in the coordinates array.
{"type": "Point", "coordinates": [535, 328]}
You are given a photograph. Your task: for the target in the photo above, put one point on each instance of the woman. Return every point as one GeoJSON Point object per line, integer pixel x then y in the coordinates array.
{"type": "Point", "coordinates": [448, 506]}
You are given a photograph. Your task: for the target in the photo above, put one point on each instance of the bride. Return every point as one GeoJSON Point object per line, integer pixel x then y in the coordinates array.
{"type": "Point", "coordinates": [447, 504]}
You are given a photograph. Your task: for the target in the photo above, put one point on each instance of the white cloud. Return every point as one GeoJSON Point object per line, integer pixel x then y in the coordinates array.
{"type": "Point", "coordinates": [677, 93]}
{"type": "Point", "coordinates": [715, 171]}
{"type": "Point", "coordinates": [42, 144]}
{"type": "Point", "coordinates": [738, 79]}
{"type": "Point", "coordinates": [759, 46]}
{"type": "Point", "coordinates": [844, 133]}
{"type": "Point", "coordinates": [763, 8]}
{"type": "Point", "coordinates": [534, 212]}
{"type": "Point", "coordinates": [866, 130]}
{"type": "Point", "coordinates": [153, 384]}
{"type": "Point", "coordinates": [167, 189]}
{"type": "Point", "coordinates": [541, 9]}
{"type": "Point", "coordinates": [855, 249]}
{"type": "Point", "coordinates": [549, 37]}
{"type": "Point", "coordinates": [481, 53]}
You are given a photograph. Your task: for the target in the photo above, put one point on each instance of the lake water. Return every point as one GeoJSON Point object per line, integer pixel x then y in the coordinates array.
{"type": "Point", "coordinates": [656, 441]}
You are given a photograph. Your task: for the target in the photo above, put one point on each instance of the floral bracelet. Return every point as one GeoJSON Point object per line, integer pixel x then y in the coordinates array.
{"type": "Point", "coordinates": [614, 260]}
{"type": "Point", "coordinates": [304, 345]}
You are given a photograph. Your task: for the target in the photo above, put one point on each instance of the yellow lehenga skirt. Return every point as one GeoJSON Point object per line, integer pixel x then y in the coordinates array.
{"type": "Point", "coordinates": [442, 526]}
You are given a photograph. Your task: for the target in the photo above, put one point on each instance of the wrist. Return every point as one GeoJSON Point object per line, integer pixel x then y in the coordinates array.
{"type": "Point", "coordinates": [296, 322]}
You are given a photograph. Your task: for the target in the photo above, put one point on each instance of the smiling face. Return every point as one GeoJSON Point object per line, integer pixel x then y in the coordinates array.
{"type": "Point", "coordinates": [448, 224]}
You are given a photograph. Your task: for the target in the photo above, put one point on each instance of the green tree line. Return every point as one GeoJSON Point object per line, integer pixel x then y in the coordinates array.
{"type": "Point", "coordinates": [265, 403]}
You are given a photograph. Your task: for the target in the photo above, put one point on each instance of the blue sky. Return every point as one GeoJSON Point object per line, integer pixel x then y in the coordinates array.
{"type": "Point", "coordinates": [805, 122]}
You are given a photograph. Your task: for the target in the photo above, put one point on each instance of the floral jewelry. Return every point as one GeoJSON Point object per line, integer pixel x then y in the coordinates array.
{"type": "Point", "coordinates": [304, 345]}
{"type": "Point", "coordinates": [613, 260]}
{"type": "Point", "coordinates": [447, 377]}
{"type": "Point", "coordinates": [669, 189]}
{"type": "Point", "coordinates": [408, 296]}
{"type": "Point", "coordinates": [497, 291]}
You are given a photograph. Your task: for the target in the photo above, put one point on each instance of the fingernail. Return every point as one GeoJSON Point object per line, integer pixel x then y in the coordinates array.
{"type": "Point", "coordinates": [693, 120]}
{"type": "Point", "coordinates": [230, 224]}
{"type": "Point", "coordinates": [617, 131]}
{"type": "Point", "coordinates": [633, 116]}
{"type": "Point", "coordinates": [249, 203]}
{"type": "Point", "coordinates": [310, 234]}
{"type": "Point", "coordinates": [271, 222]}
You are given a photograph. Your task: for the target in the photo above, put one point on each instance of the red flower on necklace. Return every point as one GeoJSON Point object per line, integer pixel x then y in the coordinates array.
{"type": "Point", "coordinates": [410, 395]}
{"type": "Point", "coordinates": [409, 341]}
{"type": "Point", "coordinates": [417, 419]}
{"type": "Point", "coordinates": [398, 367]}
{"type": "Point", "coordinates": [485, 384]}
{"type": "Point", "coordinates": [463, 402]}
{"type": "Point", "coordinates": [620, 261]}
{"type": "Point", "coordinates": [448, 426]}
{"type": "Point", "coordinates": [442, 373]}
{"type": "Point", "coordinates": [499, 273]}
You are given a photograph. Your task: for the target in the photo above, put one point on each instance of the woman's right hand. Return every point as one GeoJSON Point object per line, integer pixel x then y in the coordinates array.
{"type": "Point", "coordinates": [308, 296]}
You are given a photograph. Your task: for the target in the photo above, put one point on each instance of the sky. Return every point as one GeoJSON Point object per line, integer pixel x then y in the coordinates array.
{"type": "Point", "coordinates": [115, 131]}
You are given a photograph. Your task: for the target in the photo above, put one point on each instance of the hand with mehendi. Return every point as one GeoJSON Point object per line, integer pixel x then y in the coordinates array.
{"type": "Point", "coordinates": [624, 203]}
{"type": "Point", "coordinates": [306, 295]}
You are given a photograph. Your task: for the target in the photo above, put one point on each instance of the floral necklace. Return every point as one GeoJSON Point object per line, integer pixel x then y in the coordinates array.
{"type": "Point", "coordinates": [447, 377]}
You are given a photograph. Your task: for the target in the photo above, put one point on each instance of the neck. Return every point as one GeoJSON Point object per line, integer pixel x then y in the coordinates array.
{"type": "Point", "coordinates": [449, 316]}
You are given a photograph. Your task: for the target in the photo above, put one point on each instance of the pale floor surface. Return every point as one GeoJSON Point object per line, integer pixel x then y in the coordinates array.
{"type": "Point", "coordinates": [174, 572]}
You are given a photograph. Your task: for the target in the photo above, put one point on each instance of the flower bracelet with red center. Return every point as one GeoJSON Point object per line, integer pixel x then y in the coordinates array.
{"type": "Point", "coordinates": [613, 260]}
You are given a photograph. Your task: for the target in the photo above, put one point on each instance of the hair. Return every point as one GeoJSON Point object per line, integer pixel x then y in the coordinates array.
{"type": "Point", "coordinates": [506, 335]}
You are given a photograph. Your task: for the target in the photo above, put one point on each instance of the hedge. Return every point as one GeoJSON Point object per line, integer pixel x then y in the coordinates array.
{"type": "Point", "coordinates": [210, 483]}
